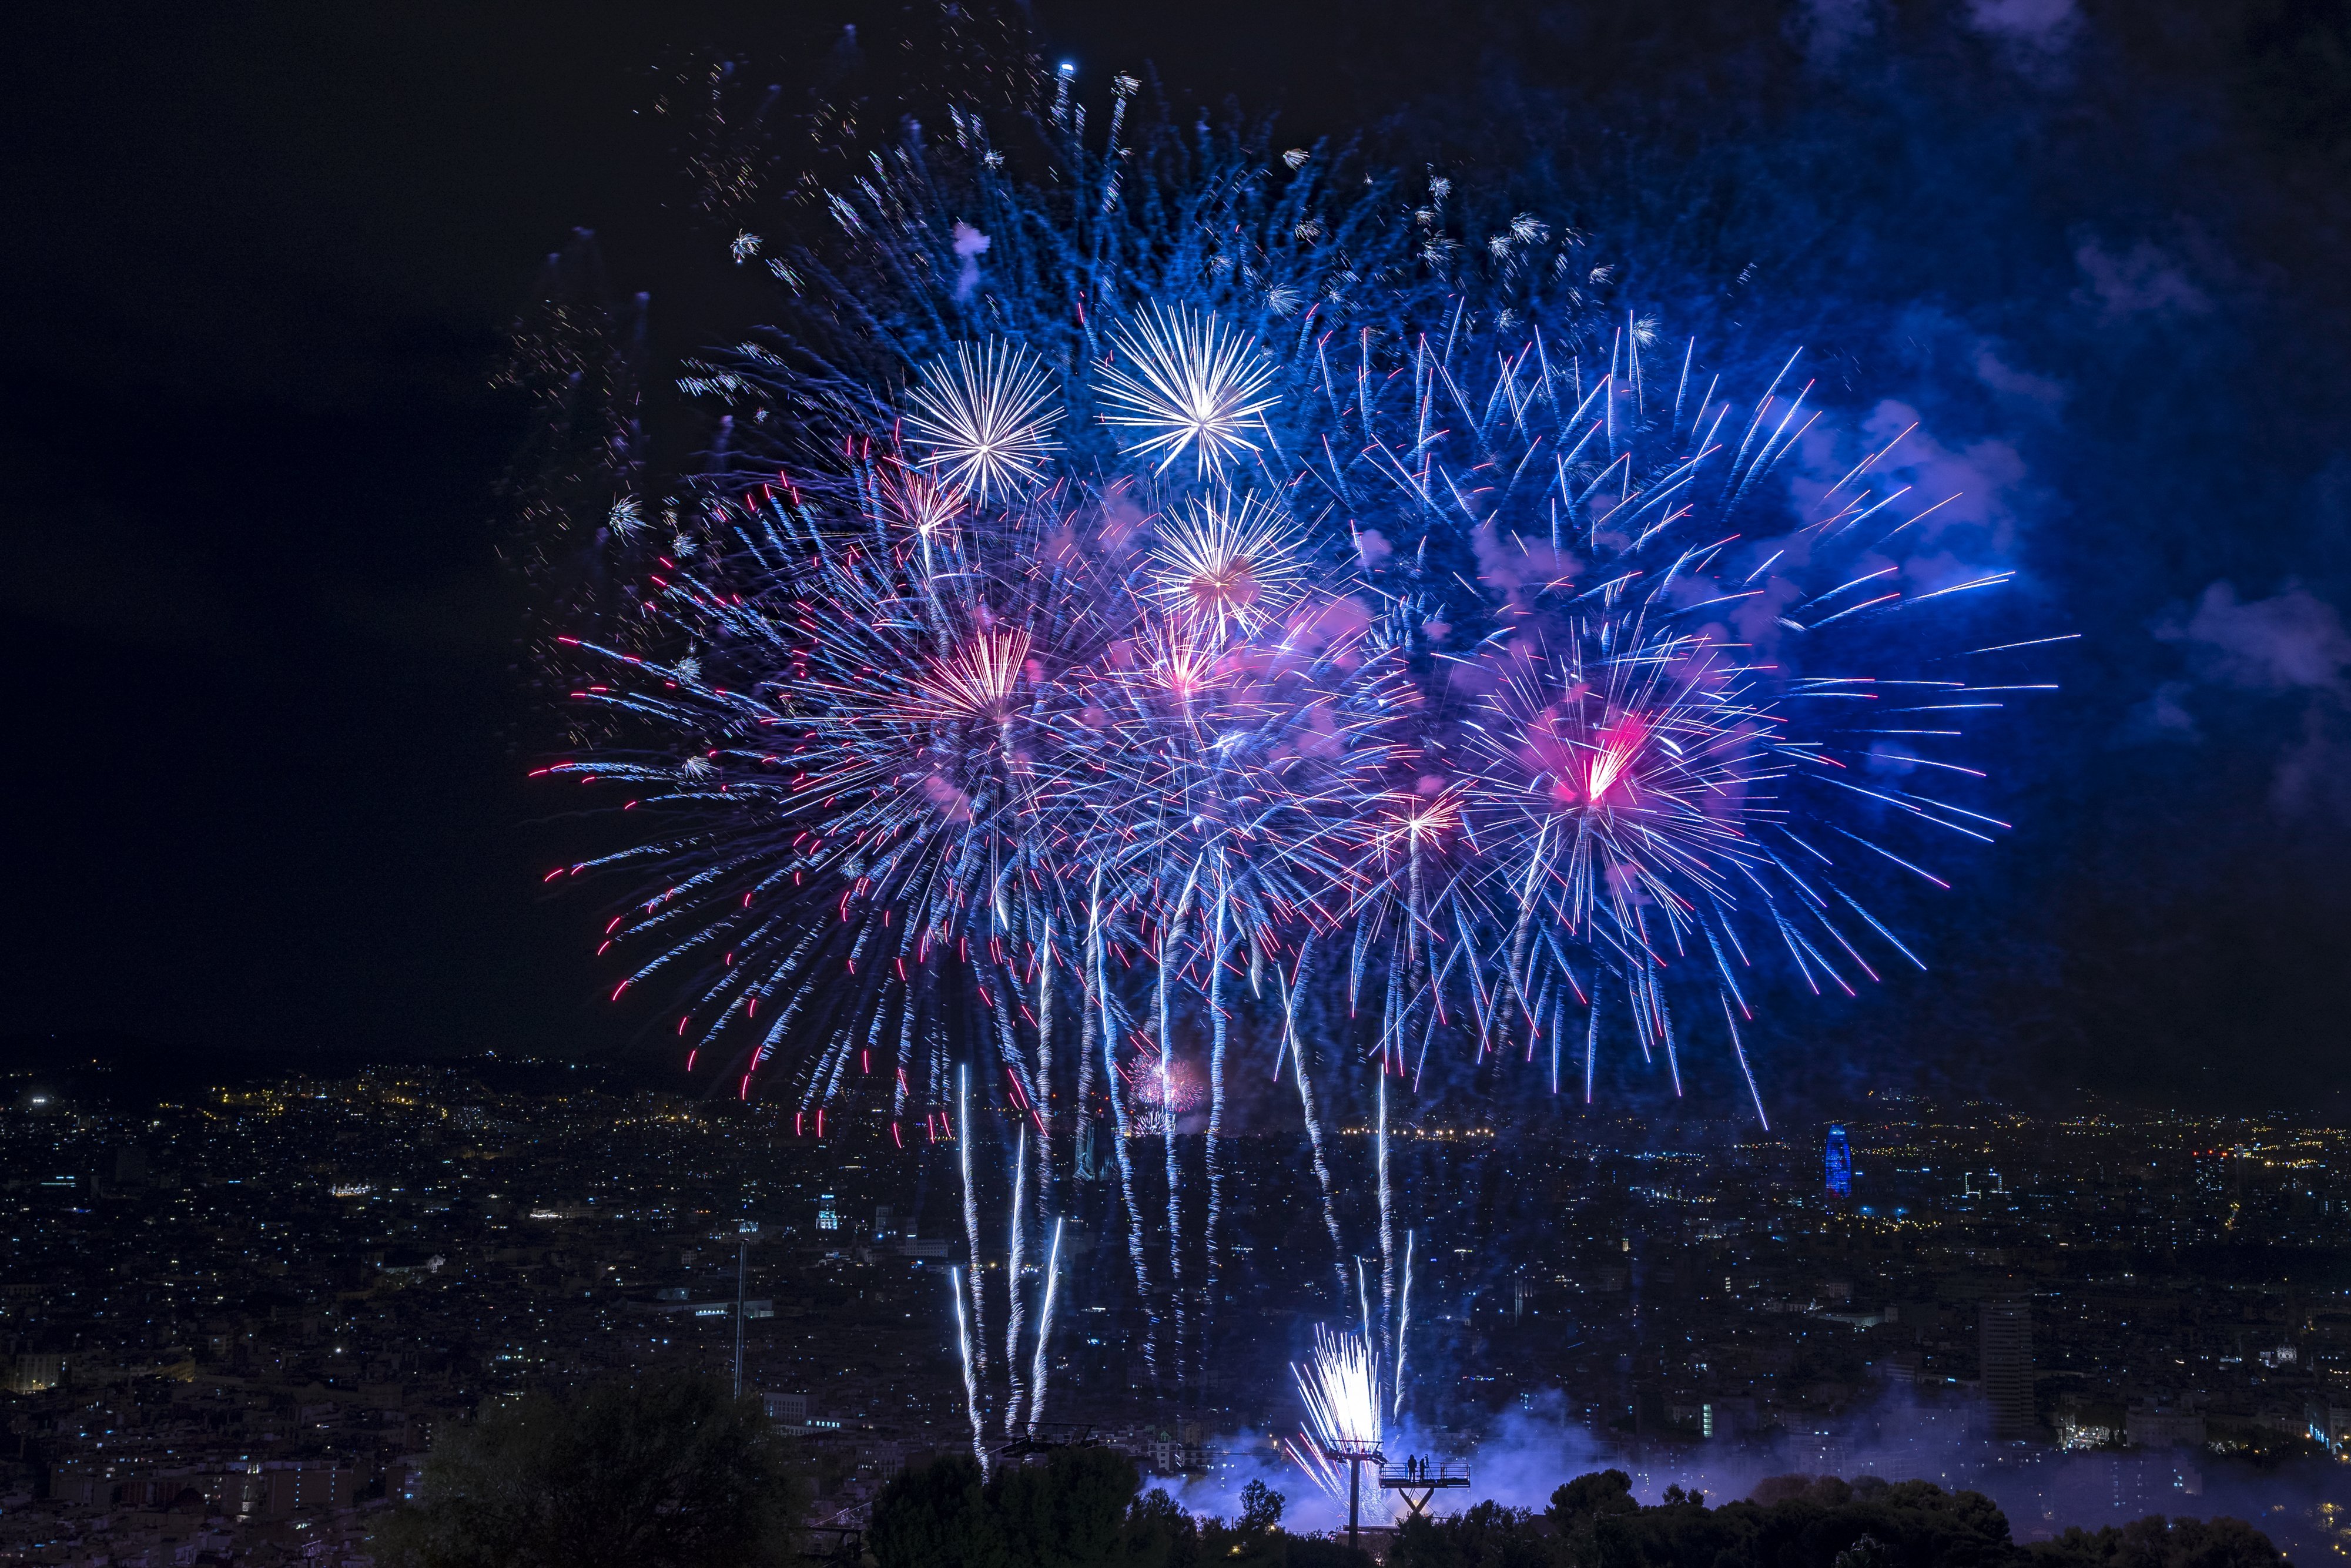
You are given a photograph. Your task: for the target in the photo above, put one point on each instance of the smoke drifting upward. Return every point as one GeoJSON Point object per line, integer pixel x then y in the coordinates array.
{"type": "Point", "coordinates": [2288, 653]}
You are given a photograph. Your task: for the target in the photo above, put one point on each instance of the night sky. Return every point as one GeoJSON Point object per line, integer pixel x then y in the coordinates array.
{"type": "Point", "coordinates": [269, 713]}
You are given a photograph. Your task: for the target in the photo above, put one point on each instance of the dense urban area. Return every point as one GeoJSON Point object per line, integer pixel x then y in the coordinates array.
{"type": "Point", "coordinates": [234, 1317]}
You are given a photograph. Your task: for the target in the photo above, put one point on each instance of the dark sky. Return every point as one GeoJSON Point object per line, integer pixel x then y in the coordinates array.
{"type": "Point", "coordinates": [267, 732]}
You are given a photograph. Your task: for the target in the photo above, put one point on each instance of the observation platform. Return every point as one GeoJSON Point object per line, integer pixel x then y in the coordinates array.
{"type": "Point", "coordinates": [1417, 1480]}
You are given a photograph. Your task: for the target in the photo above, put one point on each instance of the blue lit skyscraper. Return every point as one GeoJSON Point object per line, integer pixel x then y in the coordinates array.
{"type": "Point", "coordinates": [1840, 1161]}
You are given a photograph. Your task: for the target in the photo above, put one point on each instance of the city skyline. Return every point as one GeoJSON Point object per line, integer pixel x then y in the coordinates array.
{"type": "Point", "coordinates": [2158, 1292]}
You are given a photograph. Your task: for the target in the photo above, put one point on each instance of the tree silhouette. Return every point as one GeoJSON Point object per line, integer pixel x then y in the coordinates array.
{"type": "Point", "coordinates": [668, 1472]}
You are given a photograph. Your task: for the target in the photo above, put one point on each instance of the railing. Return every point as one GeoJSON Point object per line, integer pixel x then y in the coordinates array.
{"type": "Point", "coordinates": [1424, 1473]}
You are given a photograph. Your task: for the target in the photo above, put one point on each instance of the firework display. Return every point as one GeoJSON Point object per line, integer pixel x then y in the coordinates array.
{"type": "Point", "coordinates": [1342, 1391]}
{"type": "Point", "coordinates": [1183, 598]}
{"type": "Point", "coordinates": [1340, 1387]}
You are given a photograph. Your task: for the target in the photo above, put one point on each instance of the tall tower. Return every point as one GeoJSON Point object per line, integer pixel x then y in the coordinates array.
{"type": "Point", "coordinates": [1839, 1161]}
{"type": "Point", "coordinates": [2007, 1361]}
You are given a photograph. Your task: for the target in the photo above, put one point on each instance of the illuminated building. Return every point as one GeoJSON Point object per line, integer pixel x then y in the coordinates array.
{"type": "Point", "coordinates": [2007, 1350]}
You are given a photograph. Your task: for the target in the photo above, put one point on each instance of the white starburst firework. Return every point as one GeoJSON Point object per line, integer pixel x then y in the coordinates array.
{"type": "Point", "coordinates": [1180, 380]}
{"type": "Point", "coordinates": [1227, 565]}
{"type": "Point", "coordinates": [984, 419]}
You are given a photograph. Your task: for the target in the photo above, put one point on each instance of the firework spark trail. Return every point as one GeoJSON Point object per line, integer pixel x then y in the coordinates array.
{"type": "Point", "coordinates": [1404, 1323]}
{"type": "Point", "coordinates": [1387, 1210]}
{"type": "Point", "coordinates": [1213, 1279]}
{"type": "Point", "coordinates": [970, 1222]}
{"type": "Point", "coordinates": [1163, 985]}
{"type": "Point", "coordinates": [1016, 1316]}
{"type": "Point", "coordinates": [1047, 1201]}
{"type": "Point", "coordinates": [1297, 1049]}
{"type": "Point", "coordinates": [1123, 1144]}
{"type": "Point", "coordinates": [1591, 1048]}
{"type": "Point", "coordinates": [970, 1374]}
{"type": "Point", "coordinates": [1740, 1053]}
{"type": "Point", "coordinates": [1036, 1374]}
{"type": "Point", "coordinates": [1084, 1156]}
{"type": "Point", "coordinates": [1310, 1461]}
{"type": "Point", "coordinates": [1331, 1481]}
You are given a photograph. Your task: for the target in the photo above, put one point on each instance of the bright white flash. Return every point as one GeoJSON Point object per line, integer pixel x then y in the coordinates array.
{"type": "Point", "coordinates": [1179, 381]}
{"type": "Point", "coordinates": [984, 419]}
{"type": "Point", "coordinates": [1341, 1386]}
